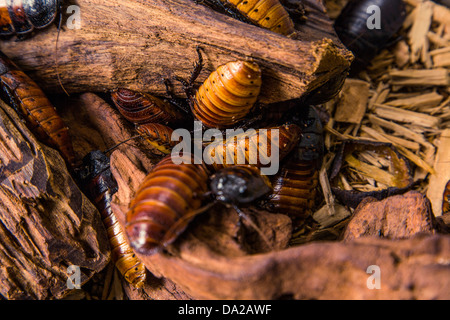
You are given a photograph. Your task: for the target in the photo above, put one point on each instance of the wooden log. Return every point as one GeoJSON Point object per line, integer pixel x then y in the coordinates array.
{"type": "Point", "coordinates": [216, 259]}
{"type": "Point", "coordinates": [46, 223]}
{"type": "Point", "coordinates": [137, 43]}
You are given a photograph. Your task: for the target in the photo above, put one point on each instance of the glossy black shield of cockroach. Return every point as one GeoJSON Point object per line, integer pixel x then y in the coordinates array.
{"type": "Point", "coordinates": [358, 30]}
{"type": "Point", "coordinates": [32, 105]}
{"type": "Point", "coordinates": [239, 185]}
{"type": "Point", "coordinates": [98, 182]}
{"type": "Point", "coordinates": [21, 17]}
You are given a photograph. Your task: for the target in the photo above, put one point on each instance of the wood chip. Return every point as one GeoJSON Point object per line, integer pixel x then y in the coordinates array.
{"type": "Point", "coordinates": [401, 115]}
{"type": "Point", "coordinates": [417, 35]}
{"type": "Point", "coordinates": [422, 77]}
{"type": "Point", "coordinates": [425, 100]}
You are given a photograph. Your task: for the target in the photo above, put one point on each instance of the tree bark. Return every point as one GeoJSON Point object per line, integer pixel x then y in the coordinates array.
{"type": "Point", "coordinates": [46, 223]}
{"type": "Point", "coordinates": [138, 43]}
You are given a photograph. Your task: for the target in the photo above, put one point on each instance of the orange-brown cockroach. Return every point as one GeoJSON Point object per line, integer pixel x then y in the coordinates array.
{"type": "Point", "coordinates": [446, 199]}
{"type": "Point", "coordinates": [253, 147]}
{"type": "Point", "coordinates": [294, 187]}
{"type": "Point", "coordinates": [140, 108]}
{"type": "Point", "coordinates": [30, 102]}
{"type": "Point", "coordinates": [100, 185]}
{"type": "Point", "coordinates": [268, 14]}
{"type": "Point", "coordinates": [161, 209]}
{"type": "Point", "coordinates": [227, 95]}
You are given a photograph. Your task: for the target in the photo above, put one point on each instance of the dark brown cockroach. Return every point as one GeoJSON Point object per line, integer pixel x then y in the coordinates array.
{"type": "Point", "coordinates": [167, 199]}
{"type": "Point", "coordinates": [252, 147]}
{"type": "Point", "coordinates": [294, 187]}
{"type": "Point", "coordinates": [30, 102]}
{"type": "Point", "coordinates": [227, 95]}
{"type": "Point", "coordinates": [446, 199]}
{"type": "Point", "coordinates": [352, 27]}
{"type": "Point", "coordinates": [140, 108]}
{"type": "Point", "coordinates": [100, 185]}
{"type": "Point", "coordinates": [158, 136]}
{"type": "Point", "coordinates": [268, 14]}
{"type": "Point", "coordinates": [23, 16]}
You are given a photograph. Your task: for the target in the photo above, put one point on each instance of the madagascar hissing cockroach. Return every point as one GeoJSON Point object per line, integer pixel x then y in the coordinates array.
{"type": "Point", "coordinates": [158, 136]}
{"type": "Point", "coordinates": [140, 108]}
{"type": "Point", "coordinates": [367, 26]}
{"type": "Point", "coordinates": [268, 14]}
{"type": "Point", "coordinates": [294, 187]}
{"type": "Point", "coordinates": [227, 95]}
{"type": "Point", "coordinates": [30, 102]}
{"type": "Point", "coordinates": [23, 16]}
{"type": "Point", "coordinates": [253, 147]}
{"type": "Point", "coordinates": [161, 209]}
{"type": "Point", "coordinates": [100, 185]}
{"type": "Point", "coordinates": [446, 199]}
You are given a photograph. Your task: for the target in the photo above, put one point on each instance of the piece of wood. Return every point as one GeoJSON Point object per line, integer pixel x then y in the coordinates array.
{"type": "Point", "coordinates": [46, 223]}
{"type": "Point", "coordinates": [442, 173]}
{"type": "Point", "coordinates": [401, 115]}
{"type": "Point", "coordinates": [421, 77]}
{"type": "Point", "coordinates": [396, 217]}
{"type": "Point", "coordinates": [138, 43]}
{"type": "Point", "coordinates": [215, 258]}
{"type": "Point", "coordinates": [353, 99]}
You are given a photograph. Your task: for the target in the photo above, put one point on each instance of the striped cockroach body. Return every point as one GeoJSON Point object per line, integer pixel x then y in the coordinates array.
{"type": "Point", "coordinates": [30, 102]}
{"type": "Point", "coordinates": [21, 17]}
{"type": "Point", "coordinates": [158, 136]}
{"type": "Point", "coordinates": [98, 181]}
{"type": "Point", "coordinates": [294, 187]}
{"type": "Point", "coordinates": [140, 108]}
{"type": "Point", "coordinates": [168, 198]}
{"type": "Point", "coordinates": [253, 147]}
{"type": "Point", "coordinates": [268, 14]}
{"type": "Point", "coordinates": [227, 95]}
{"type": "Point", "coordinates": [446, 199]}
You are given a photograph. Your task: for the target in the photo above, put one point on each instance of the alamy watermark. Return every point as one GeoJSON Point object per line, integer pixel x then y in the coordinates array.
{"type": "Point", "coordinates": [74, 20]}
{"type": "Point", "coordinates": [74, 277]}
{"type": "Point", "coordinates": [374, 20]}
{"type": "Point", "coordinates": [374, 281]}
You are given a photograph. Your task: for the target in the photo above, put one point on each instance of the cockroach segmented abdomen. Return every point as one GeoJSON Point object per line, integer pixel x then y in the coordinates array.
{"type": "Point", "coordinates": [157, 135]}
{"type": "Point", "coordinates": [165, 202]}
{"type": "Point", "coordinates": [100, 185]}
{"type": "Point", "coordinates": [32, 105]}
{"type": "Point", "coordinates": [228, 94]}
{"type": "Point", "coordinates": [140, 108]}
{"type": "Point", "coordinates": [23, 16]}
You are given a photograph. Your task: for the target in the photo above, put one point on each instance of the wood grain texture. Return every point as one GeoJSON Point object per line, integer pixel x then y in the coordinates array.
{"type": "Point", "coordinates": [46, 223]}
{"type": "Point", "coordinates": [137, 43]}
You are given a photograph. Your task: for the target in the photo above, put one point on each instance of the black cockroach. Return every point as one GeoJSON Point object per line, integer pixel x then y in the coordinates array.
{"type": "Point", "coordinates": [227, 95]}
{"type": "Point", "coordinates": [30, 102]}
{"type": "Point", "coordinates": [100, 185]}
{"type": "Point", "coordinates": [294, 187]}
{"type": "Point", "coordinates": [354, 27]}
{"type": "Point", "coordinates": [23, 16]}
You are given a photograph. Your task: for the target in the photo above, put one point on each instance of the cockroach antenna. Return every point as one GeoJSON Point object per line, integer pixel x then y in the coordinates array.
{"type": "Point", "coordinates": [56, 50]}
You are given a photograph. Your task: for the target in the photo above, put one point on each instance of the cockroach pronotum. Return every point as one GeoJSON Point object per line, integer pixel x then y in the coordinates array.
{"type": "Point", "coordinates": [23, 16]}
{"type": "Point", "coordinates": [30, 102]}
{"type": "Point", "coordinates": [268, 14]}
{"type": "Point", "coordinates": [140, 108]}
{"type": "Point", "coordinates": [294, 187]}
{"type": "Point", "coordinates": [98, 181]}
{"type": "Point", "coordinates": [168, 195]}
{"type": "Point", "coordinates": [158, 136]}
{"type": "Point", "coordinates": [354, 32]}
{"type": "Point", "coordinates": [253, 147]}
{"type": "Point", "coordinates": [446, 199]}
{"type": "Point", "coordinates": [227, 95]}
